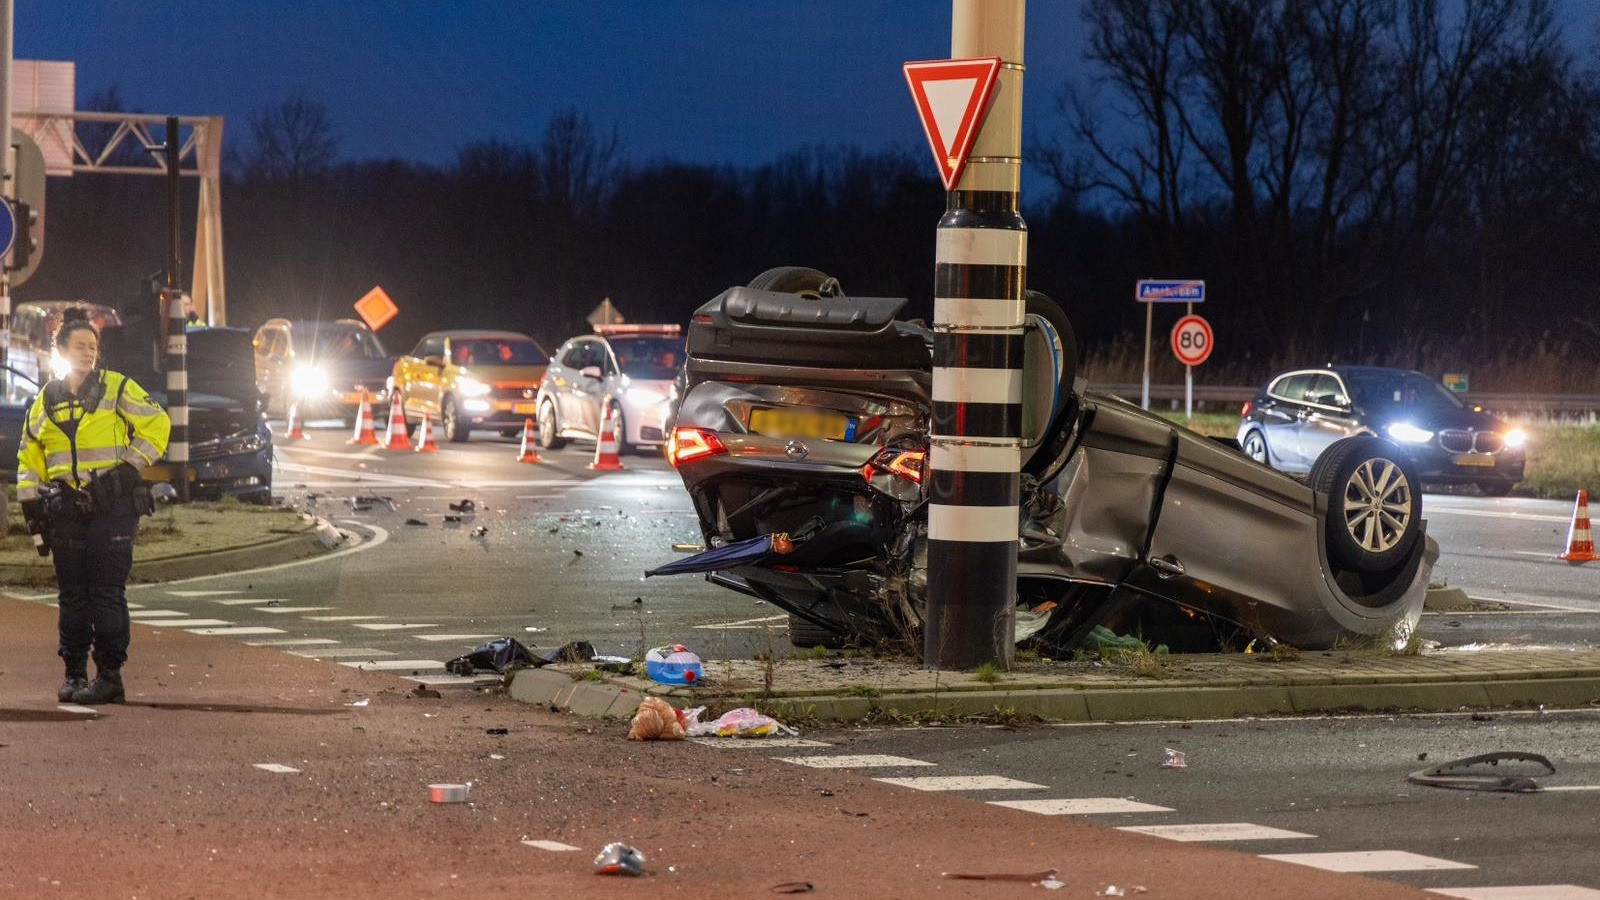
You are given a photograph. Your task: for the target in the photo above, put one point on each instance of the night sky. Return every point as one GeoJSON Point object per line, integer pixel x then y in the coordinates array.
{"type": "Point", "coordinates": [717, 81]}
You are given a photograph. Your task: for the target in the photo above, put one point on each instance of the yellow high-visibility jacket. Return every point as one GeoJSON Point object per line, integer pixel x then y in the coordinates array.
{"type": "Point", "coordinates": [68, 436]}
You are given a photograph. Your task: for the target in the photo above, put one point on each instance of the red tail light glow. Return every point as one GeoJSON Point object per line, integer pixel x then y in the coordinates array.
{"type": "Point", "coordinates": [687, 444]}
{"type": "Point", "coordinates": [1244, 412]}
{"type": "Point", "coordinates": [906, 464]}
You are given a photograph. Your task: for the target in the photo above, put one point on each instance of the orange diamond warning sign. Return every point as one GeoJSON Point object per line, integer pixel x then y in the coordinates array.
{"type": "Point", "coordinates": [376, 309]}
{"type": "Point", "coordinates": [952, 97]}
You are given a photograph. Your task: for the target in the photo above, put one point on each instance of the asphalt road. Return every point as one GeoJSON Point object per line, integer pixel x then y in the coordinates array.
{"type": "Point", "coordinates": [1335, 785]}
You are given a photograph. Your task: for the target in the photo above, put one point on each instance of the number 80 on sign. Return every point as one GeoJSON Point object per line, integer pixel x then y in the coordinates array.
{"type": "Point", "coordinates": [1191, 340]}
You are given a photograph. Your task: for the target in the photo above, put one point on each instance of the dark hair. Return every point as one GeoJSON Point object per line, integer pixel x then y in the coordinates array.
{"type": "Point", "coordinates": [74, 318]}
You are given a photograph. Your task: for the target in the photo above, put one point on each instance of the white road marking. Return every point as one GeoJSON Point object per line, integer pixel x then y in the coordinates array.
{"type": "Point", "coordinates": [338, 618]}
{"type": "Point", "coordinates": [336, 652]}
{"type": "Point", "coordinates": [396, 664]}
{"type": "Point", "coordinates": [247, 601]}
{"type": "Point", "coordinates": [81, 710]}
{"type": "Point", "coordinates": [455, 637]}
{"type": "Point", "coordinates": [157, 614]}
{"type": "Point", "coordinates": [1574, 787]}
{"type": "Point", "coordinates": [737, 743]}
{"type": "Point", "coordinates": [394, 626]}
{"type": "Point", "coordinates": [448, 680]}
{"type": "Point", "coordinates": [1368, 861]}
{"type": "Point", "coordinates": [1521, 892]}
{"type": "Point", "coordinates": [201, 593]}
{"type": "Point", "coordinates": [295, 642]}
{"type": "Point", "coordinates": [552, 846]}
{"type": "Point", "coordinates": [744, 624]}
{"type": "Point", "coordinates": [235, 631]}
{"type": "Point", "coordinates": [358, 454]}
{"type": "Point", "coordinates": [964, 783]}
{"type": "Point", "coordinates": [863, 761]}
{"type": "Point", "coordinates": [291, 609]}
{"type": "Point", "coordinates": [186, 623]}
{"type": "Point", "coordinates": [379, 536]}
{"type": "Point", "coordinates": [365, 479]}
{"type": "Point", "coordinates": [1219, 831]}
{"type": "Point", "coordinates": [279, 768]}
{"type": "Point", "coordinates": [1079, 806]}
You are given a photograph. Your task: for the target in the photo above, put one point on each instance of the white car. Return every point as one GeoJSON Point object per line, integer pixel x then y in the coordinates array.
{"type": "Point", "coordinates": [630, 366]}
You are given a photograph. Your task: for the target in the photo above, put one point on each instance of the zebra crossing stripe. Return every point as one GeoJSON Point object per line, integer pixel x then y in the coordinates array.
{"type": "Point", "coordinates": [1079, 806]}
{"type": "Point", "coordinates": [235, 630]}
{"type": "Point", "coordinates": [385, 665]}
{"type": "Point", "coordinates": [278, 768]}
{"type": "Point", "coordinates": [1521, 892]}
{"type": "Point", "coordinates": [964, 783]}
{"type": "Point", "coordinates": [1218, 831]}
{"type": "Point", "coordinates": [866, 761]}
{"type": "Point", "coordinates": [1368, 861]}
{"type": "Point", "coordinates": [185, 623]}
{"type": "Point", "coordinates": [335, 652]}
{"type": "Point", "coordinates": [552, 846]}
{"type": "Point", "coordinates": [392, 626]}
{"type": "Point", "coordinates": [137, 614]}
{"type": "Point", "coordinates": [762, 744]}
{"type": "Point", "coordinates": [292, 642]}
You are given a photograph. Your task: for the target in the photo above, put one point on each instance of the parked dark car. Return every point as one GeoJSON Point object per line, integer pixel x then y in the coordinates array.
{"type": "Point", "coordinates": [321, 366]}
{"type": "Point", "coordinates": [807, 413]}
{"type": "Point", "coordinates": [1295, 418]}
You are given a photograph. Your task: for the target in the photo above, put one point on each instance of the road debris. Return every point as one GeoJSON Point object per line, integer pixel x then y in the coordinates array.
{"type": "Point", "coordinates": [742, 722]}
{"type": "Point", "coordinates": [1468, 774]}
{"type": "Point", "coordinates": [657, 720]}
{"type": "Point", "coordinates": [619, 859]}
{"type": "Point", "coordinates": [495, 656]}
{"type": "Point", "coordinates": [1174, 760]}
{"type": "Point", "coordinates": [416, 522]}
{"type": "Point", "coordinates": [673, 665]}
{"type": "Point", "coordinates": [425, 692]}
{"type": "Point", "coordinates": [1024, 877]}
{"type": "Point", "coordinates": [480, 531]}
{"type": "Point", "coordinates": [465, 506]}
{"type": "Point", "coordinates": [449, 793]}
{"type": "Point", "coordinates": [792, 887]}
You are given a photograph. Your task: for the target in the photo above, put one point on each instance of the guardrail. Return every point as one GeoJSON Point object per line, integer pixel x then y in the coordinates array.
{"type": "Point", "coordinates": [1504, 403]}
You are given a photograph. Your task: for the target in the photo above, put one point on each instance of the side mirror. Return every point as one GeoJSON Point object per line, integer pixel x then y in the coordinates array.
{"type": "Point", "coordinates": [436, 361]}
{"type": "Point", "coordinates": [590, 372]}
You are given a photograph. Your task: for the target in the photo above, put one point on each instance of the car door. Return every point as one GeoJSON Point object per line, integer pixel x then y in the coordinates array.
{"type": "Point", "coordinates": [416, 378]}
{"type": "Point", "coordinates": [587, 390]}
{"type": "Point", "coordinates": [1327, 418]}
{"type": "Point", "coordinates": [1281, 418]}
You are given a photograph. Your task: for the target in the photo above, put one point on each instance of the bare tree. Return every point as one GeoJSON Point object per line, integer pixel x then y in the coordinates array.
{"type": "Point", "coordinates": [293, 141]}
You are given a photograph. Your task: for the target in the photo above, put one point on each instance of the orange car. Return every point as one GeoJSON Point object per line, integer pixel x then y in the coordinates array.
{"type": "Point", "coordinates": [470, 379]}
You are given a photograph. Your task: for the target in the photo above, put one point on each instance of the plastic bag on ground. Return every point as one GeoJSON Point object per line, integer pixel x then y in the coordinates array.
{"type": "Point", "coordinates": [741, 722]}
{"type": "Point", "coordinates": [657, 720]}
{"type": "Point", "coordinates": [495, 656]}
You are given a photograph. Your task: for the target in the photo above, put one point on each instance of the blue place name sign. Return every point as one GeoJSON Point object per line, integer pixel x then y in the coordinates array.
{"type": "Point", "coordinates": [1151, 291]}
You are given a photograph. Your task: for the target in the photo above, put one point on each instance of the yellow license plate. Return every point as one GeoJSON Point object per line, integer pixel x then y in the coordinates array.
{"type": "Point", "coordinates": [522, 409]}
{"type": "Point", "coordinates": [163, 473]}
{"type": "Point", "coordinates": [1474, 459]}
{"type": "Point", "coordinates": [792, 422]}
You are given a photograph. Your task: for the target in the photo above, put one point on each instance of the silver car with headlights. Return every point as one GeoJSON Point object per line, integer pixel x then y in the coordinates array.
{"type": "Point", "coordinates": [804, 425]}
{"type": "Point", "coordinates": [630, 367]}
{"type": "Point", "coordinates": [320, 367]}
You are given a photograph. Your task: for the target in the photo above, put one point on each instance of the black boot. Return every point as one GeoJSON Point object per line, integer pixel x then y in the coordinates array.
{"type": "Point", "coordinates": [77, 680]}
{"type": "Point", "coordinates": [105, 688]}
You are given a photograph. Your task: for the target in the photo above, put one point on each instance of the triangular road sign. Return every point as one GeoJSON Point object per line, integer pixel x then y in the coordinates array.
{"type": "Point", "coordinates": [952, 97]}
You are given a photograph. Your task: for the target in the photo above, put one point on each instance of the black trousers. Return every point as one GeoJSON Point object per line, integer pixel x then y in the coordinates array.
{"type": "Point", "coordinates": [93, 556]}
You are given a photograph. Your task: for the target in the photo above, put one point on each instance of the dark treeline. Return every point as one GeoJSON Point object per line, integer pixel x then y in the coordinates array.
{"type": "Point", "coordinates": [1387, 180]}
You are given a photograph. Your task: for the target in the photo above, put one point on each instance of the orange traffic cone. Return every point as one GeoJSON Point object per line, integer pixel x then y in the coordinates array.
{"type": "Point", "coordinates": [424, 442]}
{"type": "Point", "coordinates": [398, 437]}
{"type": "Point", "coordinates": [1580, 538]}
{"type": "Point", "coordinates": [365, 433]}
{"type": "Point", "coordinates": [606, 458]}
{"type": "Point", "coordinates": [297, 431]}
{"type": "Point", "coordinates": [528, 453]}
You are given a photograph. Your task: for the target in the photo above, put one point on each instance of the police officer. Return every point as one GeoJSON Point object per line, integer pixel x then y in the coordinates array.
{"type": "Point", "coordinates": [191, 317]}
{"type": "Point", "coordinates": [84, 442]}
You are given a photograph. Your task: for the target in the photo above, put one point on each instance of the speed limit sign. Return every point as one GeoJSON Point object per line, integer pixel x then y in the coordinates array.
{"type": "Point", "coordinates": [1191, 340]}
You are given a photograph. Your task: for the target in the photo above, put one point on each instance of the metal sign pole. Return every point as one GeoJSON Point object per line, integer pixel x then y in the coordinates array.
{"type": "Point", "coordinates": [1188, 377]}
{"type": "Point", "coordinates": [1144, 392]}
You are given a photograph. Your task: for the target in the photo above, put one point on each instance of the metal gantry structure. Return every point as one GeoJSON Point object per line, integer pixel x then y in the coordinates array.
{"type": "Point", "coordinates": [67, 152]}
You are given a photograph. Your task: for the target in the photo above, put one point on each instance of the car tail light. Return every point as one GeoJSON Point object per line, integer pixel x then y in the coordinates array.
{"type": "Point", "coordinates": [1244, 412]}
{"type": "Point", "coordinates": [906, 464]}
{"type": "Point", "coordinates": [687, 444]}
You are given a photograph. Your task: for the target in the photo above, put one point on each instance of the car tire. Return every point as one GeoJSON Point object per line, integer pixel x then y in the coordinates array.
{"type": "Point", "coordinates": [806, 633]}
{"type": "Point", "coordinates": [1254, 446]}
{"type": "Point", "coordinates": [549, 429]}
{"type": "Point", "coordinates": [455, 431]}
{"type": "Point", "coordinates": [624, 448]}
{"type": "Point", "coordinates": [795, 280]}
{"type": "Point", "coordinates": [1496, 488]}
{"type": "Point", "coordinates": [1374, 502]}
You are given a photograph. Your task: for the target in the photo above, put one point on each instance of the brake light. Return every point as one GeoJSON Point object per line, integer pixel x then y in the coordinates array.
{"type": "Point", "coordinates": [906, 464]}
{"type": "Point", "coordinates": [1244, 412]}
{"type": "Point", "coordinates": [687, 444]}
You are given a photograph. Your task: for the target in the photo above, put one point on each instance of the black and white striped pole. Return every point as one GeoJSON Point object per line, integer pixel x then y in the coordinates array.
{"type": "Point", "coordinates": [177, 349]}
{"type": "Point", "coordinates": [980, 275]}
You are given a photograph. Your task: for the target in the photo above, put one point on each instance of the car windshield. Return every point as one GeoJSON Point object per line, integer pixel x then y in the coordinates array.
{"type": "Point", "coordinates": [1403, 389]}
{"type": "Point", "coordinates": [343, 342]}
{"type": "Point", "coordinates": [496, 352]}
{"type": "Point", "coordinates": [649, 357]}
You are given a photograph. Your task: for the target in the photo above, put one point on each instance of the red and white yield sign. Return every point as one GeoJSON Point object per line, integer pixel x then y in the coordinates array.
{"type": "Point", "coordinates": [1191, 340]}
{"type": "Point", "coordinates": [952, 97]}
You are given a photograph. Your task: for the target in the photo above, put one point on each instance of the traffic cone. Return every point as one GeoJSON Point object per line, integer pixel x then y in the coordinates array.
{"type": "Point", "coordinates": [528, 453]}
{"type": "Point", "coordinates": [1580, 538]}
{"type": "Point", "coordinates": [364, 433]}
{"type": "Point", "coordinates": [424, 442]}
{"type": "Point", "coordinates": [398, 437]}
{"type": "Point", "coordinates": [606, 458]}
{"type": "Point", "coordinates": [297, 431]}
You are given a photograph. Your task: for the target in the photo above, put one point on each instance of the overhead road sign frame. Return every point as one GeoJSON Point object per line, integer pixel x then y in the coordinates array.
{"type": "Point", "coordinates": [952, 97]}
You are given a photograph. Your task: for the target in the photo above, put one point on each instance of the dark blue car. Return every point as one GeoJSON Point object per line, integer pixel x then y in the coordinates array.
{"type": "Point", "coordinates": [1294, 419]}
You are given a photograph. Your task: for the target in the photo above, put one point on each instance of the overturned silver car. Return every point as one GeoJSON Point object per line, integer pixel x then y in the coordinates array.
{"type": "Point", "coordinates": [802, 432]}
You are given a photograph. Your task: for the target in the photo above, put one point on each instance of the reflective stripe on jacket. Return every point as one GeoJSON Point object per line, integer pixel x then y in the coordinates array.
{"type": "Point", "coordinates": [67, 436]}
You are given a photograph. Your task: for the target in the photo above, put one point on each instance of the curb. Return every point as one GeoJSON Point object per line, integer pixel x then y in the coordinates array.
{"type": "Point", "coordinates": [190, 565]}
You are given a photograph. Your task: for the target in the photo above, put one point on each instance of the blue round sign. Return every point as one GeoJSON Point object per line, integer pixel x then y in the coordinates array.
{"type": "Point", "coordinates": [8, 227]}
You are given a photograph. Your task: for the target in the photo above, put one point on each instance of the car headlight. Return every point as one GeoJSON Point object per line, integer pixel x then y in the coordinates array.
{"type": "Point", "coordinates": [471, 387]}
{"type": "Point", "coordinates": [1515, 438]}
{"type": "Point", "coordinates": [1408, 433]}
{"type": "Point", "coordinates": [308, 381]}
{"type": "Point", "coordinates": [644, 397]}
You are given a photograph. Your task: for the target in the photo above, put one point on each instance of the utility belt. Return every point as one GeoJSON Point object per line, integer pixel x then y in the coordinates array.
{"type": "Point", "coordinates": [60, 499]}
